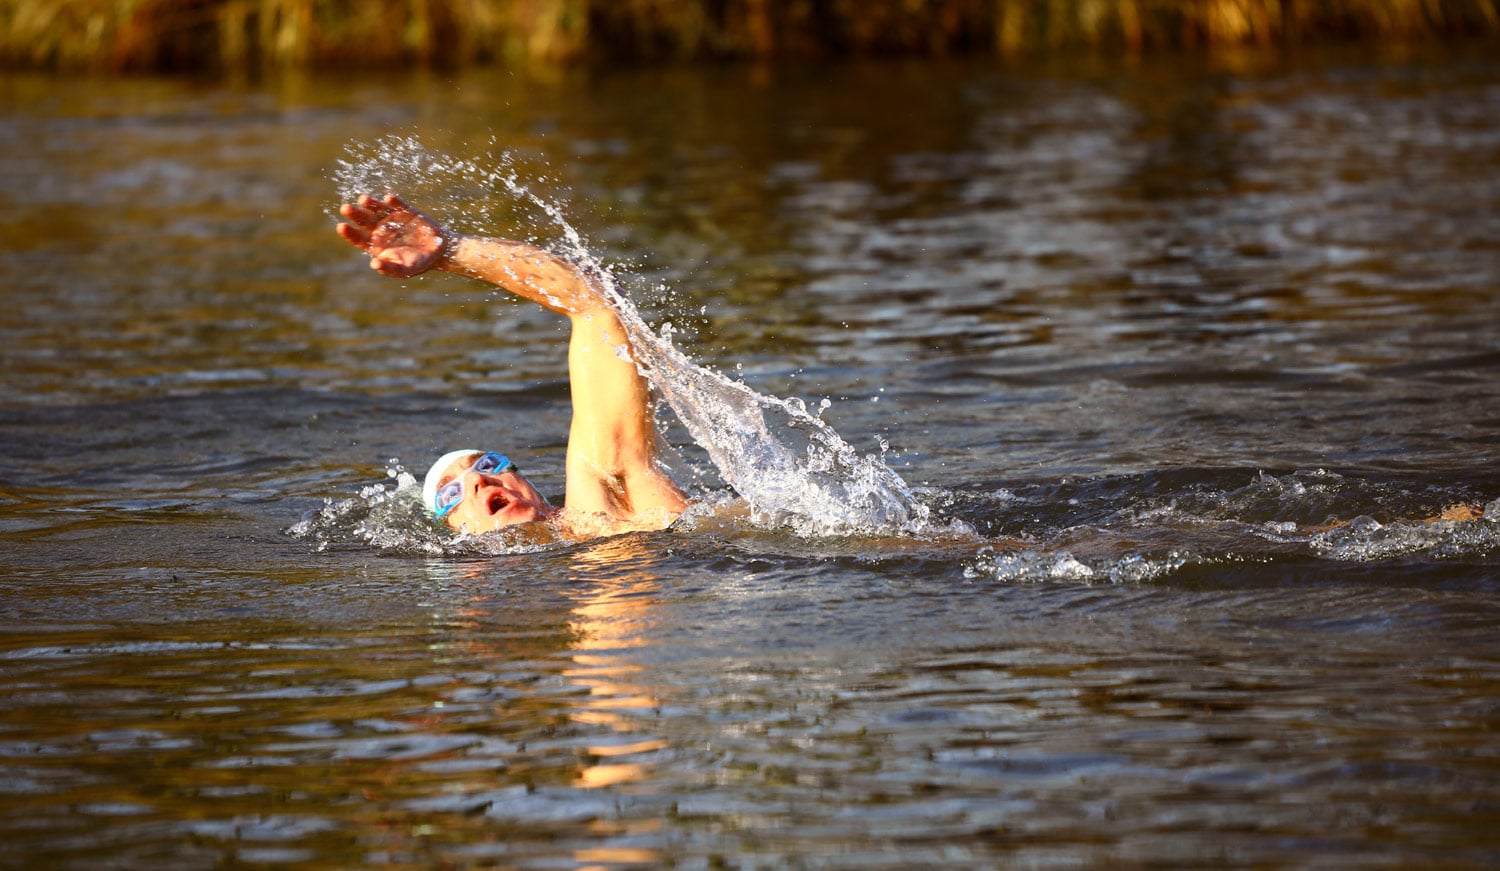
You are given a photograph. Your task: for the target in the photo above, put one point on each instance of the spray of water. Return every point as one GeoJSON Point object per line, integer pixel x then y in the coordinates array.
{"type": "Point", "coordinates": [790, 467]}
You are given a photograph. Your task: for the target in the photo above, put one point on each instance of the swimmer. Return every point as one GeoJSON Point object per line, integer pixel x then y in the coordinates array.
{"type": "Point", "coordinates": [614, 482]}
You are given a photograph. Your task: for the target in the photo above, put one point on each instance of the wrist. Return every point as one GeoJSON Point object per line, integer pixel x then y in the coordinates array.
{"type": "Point", "coordinates": [448, 253]}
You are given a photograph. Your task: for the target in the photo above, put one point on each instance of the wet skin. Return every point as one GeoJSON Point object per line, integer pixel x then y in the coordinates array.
{"type": "Point", "coordinates": [613, 481]}
{"type": "Point", "coordinates": [491, 502]}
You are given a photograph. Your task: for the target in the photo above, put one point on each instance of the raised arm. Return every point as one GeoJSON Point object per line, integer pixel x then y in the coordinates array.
{"type": "Point", "coordinates": [612, 464]}
{"type": "Point", "coordinates": [403, 243]}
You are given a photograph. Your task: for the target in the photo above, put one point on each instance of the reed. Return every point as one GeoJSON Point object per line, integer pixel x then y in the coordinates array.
{"type": "Point", "coordinates": [258, 34]}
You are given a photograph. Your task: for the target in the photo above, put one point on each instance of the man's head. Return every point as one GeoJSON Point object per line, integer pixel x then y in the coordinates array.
{"type": "Point", "coordinates": [478, 491]}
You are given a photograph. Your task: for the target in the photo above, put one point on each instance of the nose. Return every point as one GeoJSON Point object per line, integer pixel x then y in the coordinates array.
{"type": "Point", "coordinates": [475, 480]}
{"type": "Point", "coordinates": [480, 478]}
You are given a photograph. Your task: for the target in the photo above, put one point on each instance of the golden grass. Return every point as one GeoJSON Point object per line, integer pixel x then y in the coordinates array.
{"type": "Point", "coordinates": [255, 34]}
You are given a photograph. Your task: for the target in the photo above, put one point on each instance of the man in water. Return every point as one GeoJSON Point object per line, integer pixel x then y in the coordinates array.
{"type": "Point", "coordinates": [614, 481]}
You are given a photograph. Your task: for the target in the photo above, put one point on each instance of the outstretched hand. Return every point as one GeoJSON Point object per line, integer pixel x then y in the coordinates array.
{"type": "Point", "coordinates": [401, 241]}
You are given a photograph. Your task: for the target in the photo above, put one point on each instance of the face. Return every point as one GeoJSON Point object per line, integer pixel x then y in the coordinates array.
{"type": "Point", "coordinates": [491, 500]}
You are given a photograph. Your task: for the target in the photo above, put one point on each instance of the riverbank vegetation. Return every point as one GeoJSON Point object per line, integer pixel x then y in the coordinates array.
{"type": "Point", "coordinates": [261, 34]}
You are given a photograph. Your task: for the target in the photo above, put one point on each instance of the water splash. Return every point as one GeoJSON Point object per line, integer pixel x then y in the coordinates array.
{"type": "Point", "coordinates": [390, 516]}
{"type": "Point", "coordinates": [1029, 566]}
{"type": "Point", "coordinates": [791, 468]}
{"type": "Point", "coordinates": [1366, 539]}
{"type": "Point", "coordinates": [1150, 527]}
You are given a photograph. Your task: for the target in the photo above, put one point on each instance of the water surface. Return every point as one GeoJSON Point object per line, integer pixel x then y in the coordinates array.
{"type": "Point", "coordinates": [1191, 351]}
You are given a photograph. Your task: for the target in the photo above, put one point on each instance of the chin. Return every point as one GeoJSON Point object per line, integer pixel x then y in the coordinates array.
{"type": "Point", "coordinates": [496, 522]}
{"type": "Point", "coordinates": [515, 518]}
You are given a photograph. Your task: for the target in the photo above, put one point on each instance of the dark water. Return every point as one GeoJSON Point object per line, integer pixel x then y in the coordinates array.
{"type": "Point", "coordinates": [1192, 350]}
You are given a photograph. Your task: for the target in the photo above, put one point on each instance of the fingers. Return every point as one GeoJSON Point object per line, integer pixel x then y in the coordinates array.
{"type": "Point", "coordinates": [381, 207]}
{"type": "Point", "coordinates": [364, 215]}
{"type": "Point", "coordinates": [374, 203]}
{"type": "Point", "coordinates": [368, 210]}
{"type": "Point", "coordinates": [368, 216]}
{"type": "Point", "coordinates": [354, 231]}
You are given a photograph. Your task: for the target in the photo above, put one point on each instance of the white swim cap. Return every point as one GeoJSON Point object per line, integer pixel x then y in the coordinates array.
{"type": "Point", "coordinates": [435, 474]}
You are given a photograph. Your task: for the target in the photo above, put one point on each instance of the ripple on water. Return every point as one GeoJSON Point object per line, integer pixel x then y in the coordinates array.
{"type": "Point", "coordinates": [1093, 309]}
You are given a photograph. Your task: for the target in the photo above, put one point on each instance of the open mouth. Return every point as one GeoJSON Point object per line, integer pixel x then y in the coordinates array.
{"type": "Point", "coordinates": [498, 501]}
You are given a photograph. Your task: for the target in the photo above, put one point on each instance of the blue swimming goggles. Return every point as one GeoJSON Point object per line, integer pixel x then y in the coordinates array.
{"type": "Point", "coordinates": [450, 494]}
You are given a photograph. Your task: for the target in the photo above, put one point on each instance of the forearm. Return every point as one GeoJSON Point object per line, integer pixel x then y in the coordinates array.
{"type": "Point", "coordinates": [524, 270]}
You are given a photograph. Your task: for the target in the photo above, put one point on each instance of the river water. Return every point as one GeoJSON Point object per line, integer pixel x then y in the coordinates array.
{"type": "Point", "coordinates": [1180, 359]}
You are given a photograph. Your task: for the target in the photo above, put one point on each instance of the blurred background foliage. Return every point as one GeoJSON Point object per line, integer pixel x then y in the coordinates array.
{"type": "Point", "coordinates": [167, 35]}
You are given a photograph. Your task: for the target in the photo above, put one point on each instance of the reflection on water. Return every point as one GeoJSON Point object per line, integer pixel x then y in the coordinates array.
{"type": "Point", "coordinates": [1193, 352]}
